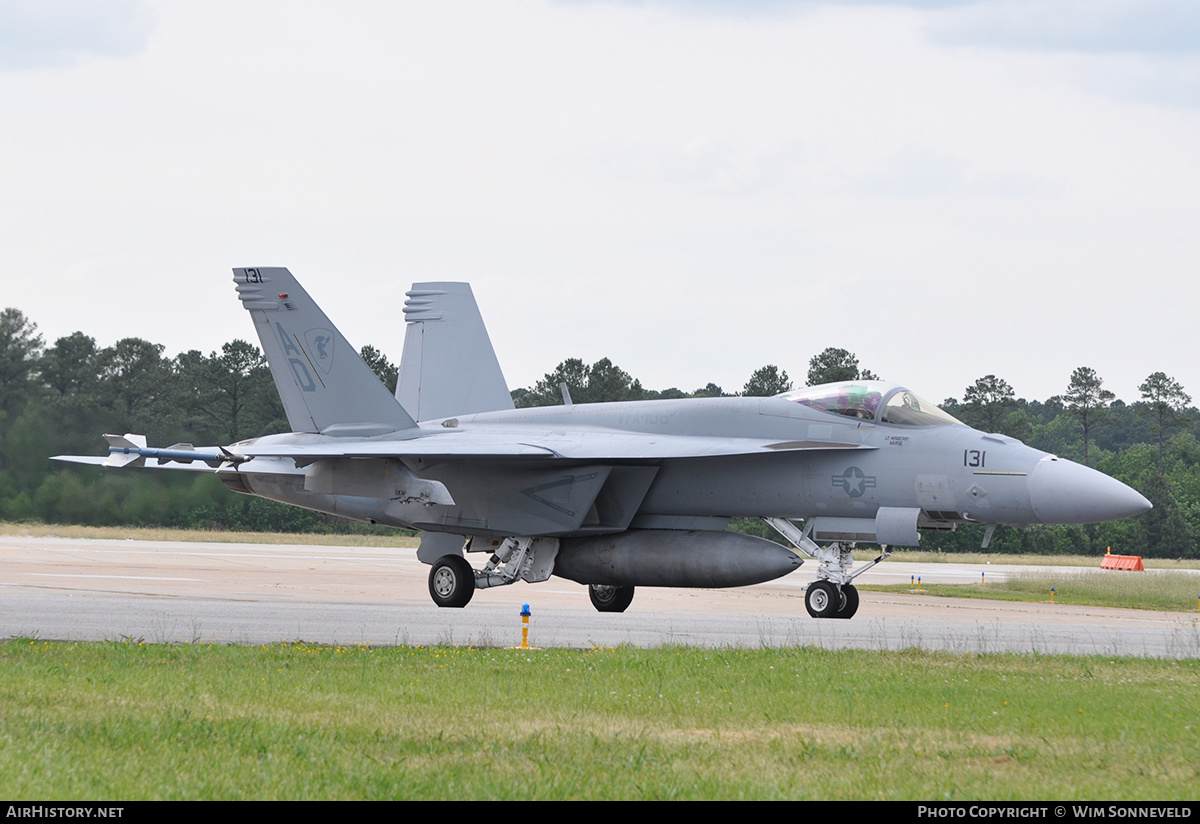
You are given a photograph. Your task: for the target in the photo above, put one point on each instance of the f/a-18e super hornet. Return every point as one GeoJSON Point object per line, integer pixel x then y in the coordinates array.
{"type": "Point", "coordinates": [613, 495]}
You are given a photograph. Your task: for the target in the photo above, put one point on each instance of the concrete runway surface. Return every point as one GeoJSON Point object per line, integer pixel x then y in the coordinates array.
{"type": "Point", "coordinates": [83, 589]}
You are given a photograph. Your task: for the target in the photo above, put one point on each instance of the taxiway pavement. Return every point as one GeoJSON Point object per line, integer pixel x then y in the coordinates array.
{"type": "Point", "coordinates": [85, 589]}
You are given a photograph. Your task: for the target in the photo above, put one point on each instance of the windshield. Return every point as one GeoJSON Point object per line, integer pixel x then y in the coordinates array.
{"type": "Point", "coordinates": [909, 409]}
{"type": "Point", "coordinates": [856, 400]}
{"type": "Point", "coordinates": [865, 399]}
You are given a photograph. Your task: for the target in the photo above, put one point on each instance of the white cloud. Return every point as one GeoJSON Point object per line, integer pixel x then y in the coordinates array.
{"type": "Point", "coordinates": [919, 171]}
{"type": "Point", "coordinates": [1148, 27]}
{"type": "Point", "coordinates": [52, 33]}
{"type": "Point", "coordinates": [1160, 27]}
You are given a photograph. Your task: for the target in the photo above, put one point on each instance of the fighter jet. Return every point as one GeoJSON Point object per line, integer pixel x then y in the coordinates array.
{"type": "Point", "coordinates": [613, 495]}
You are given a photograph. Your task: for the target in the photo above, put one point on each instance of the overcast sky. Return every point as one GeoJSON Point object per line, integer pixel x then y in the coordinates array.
{"type": "Point", "coordinates": [693, 189]}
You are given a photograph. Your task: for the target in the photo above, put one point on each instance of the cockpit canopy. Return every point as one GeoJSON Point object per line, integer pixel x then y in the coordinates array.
{"type": "Point", "coordinates": [876, 401]}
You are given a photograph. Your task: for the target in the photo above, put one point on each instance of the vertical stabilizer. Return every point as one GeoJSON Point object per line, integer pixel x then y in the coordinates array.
{"type": "Point", "coordinates": [449, 366]}
{"type": "Point", "coordinates": [323, 382]}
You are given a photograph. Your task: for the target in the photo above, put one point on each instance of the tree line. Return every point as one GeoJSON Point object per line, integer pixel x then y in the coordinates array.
{"type": "Point", "coordinates": [59, 398]}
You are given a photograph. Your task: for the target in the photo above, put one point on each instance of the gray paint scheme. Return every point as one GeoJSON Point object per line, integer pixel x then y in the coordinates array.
{"type": "Point", "coordinates": [450, 456]}
{"type": "Point", "coordinates": [323, 382]}
{"type": "Point", "coordinates": [448, 366]}
{"type": "Point", "coordinates": [658, 557]}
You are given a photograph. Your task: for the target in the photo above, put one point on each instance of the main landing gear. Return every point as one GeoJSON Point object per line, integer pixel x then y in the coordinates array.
{"type": "Point", "coordinates": [451, 581]}
{"type": "Point", "coordinates": [610, 599]}
{"type": "Point", "coordinates": [832, 595]}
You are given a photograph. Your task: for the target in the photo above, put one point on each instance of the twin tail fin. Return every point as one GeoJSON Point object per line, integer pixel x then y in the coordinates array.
{"type": "Point", "coordinates": [324, 384]}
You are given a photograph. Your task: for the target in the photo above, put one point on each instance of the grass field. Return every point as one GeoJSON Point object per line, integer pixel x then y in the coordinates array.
{"type": "Point", "coordinates": [126, 720]}
{"type": "Point", "coordinates": [983, 559]}
{"type": "Point", "coordinates": [132, 721]}
{"type": "Point", "coordinates": [1173, 591]}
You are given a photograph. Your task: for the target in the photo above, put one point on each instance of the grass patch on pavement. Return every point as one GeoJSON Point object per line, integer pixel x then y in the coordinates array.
{"type": "Point", "coordinates": [984, 559]}
{"type": "Point", "coordinates": [1161, 590]}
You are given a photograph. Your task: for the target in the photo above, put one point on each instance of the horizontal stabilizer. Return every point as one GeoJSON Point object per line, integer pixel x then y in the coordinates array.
{"type": "Point", "coordinates": [98, 460]}
{"type": "Point", "coordinates": [94, 460]}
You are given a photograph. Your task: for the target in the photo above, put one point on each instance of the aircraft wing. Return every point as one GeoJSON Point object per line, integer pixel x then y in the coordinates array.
{"type": "Point", "coordinates": [131, 450]}
{"type": "Point", "coordinates": [583, 446]}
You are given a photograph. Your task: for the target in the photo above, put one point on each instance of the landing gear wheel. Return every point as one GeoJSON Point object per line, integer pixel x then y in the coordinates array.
{"type": "Point", "coordinates": [822, 600]}
{"type": "Point", "coordinates": [451, 581]}
{"type": "Point", "coordinates": [849, 602]}
{"type": "Point", "coordinates": [610, 599]}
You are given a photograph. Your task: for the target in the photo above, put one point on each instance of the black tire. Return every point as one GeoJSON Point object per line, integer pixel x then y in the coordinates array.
{"type": "Point", "coordinates": [822, 600]}
{"type": "Point", "coordinates": [610, 599]}
{"type": "Point", "coordinates": [451, 581]}
{"type": "Point", "coordinates": [849, 602]}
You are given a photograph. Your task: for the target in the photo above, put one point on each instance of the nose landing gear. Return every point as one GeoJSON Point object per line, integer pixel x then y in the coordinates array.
{"type": "Point", "coordinates": [831, 595]}
{"type": "Point", "coordinates": [824, 599]}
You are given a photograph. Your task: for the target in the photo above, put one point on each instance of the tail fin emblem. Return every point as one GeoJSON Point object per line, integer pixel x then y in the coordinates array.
{"type": "Point", "coordinates": [320, 345]}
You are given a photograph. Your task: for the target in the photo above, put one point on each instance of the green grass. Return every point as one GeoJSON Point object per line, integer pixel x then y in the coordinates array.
{"type": "Point", "coordinates": [131, 721]}
{"type": "Point", "coordinates": [916, 556]}
{"type": "Point", "coordinates": [1161, 590]}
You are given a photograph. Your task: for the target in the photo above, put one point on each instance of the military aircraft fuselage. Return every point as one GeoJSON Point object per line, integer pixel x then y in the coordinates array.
{"type": "Point", "coordinates": [814, 463]}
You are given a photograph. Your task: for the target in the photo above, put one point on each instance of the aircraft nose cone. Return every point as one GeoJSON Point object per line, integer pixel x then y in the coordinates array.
{"type": "Point", "coordinates": [1064, 492]}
